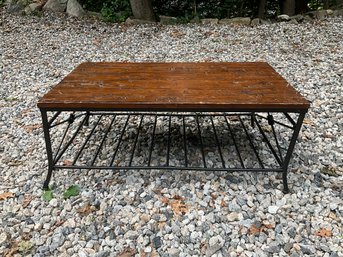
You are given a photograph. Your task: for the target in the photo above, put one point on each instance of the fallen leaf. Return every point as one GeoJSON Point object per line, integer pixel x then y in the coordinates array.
{"type": "Point", "coordinates": [47, 195]}
{"type": "Point", "coordinates": [27, 200]}
{"type": "Point", "coordinates": [15, 163]}
{"type": "Point", "coordinates": [71, 191]}
{"type": "Point", "coordinates": [86, 210]}
{"type": "Point", "coordinates": [177, 197]}
{"type": "Point", "coordinates": [165, 200]}
{"type": "Point", "coordinates": [59, 223]}
{"type": "Point", "coordinates": [128, 252]}
{"type": "Point", "coordinates": [179, 207]}
{"type": "Point", "coordinates": [176, 34]}
{"type": "Point", "coordinates": [253, 229]}
{"type": "Point", "coordinates": [268, 226]}
{"type": "Point", "coordinates": [323, 232]}
{"type": "Point", "coordinates": [67, 162]}
{"type": "Point", "coordinates": [223, 203]}
{"type": "Point", "coordinates": [56, 225]}
{"type": "Point", "coordinates": [330, 170]}
{"type": "Point", "coordinates": [214, 196]}
{"type": "Point", "coordinates": [30, 128]}
{"type": "Point", "coordinates": [6, 195]}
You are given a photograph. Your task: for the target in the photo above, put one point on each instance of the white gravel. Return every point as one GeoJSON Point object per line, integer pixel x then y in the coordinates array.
{"type": "Point", "coordinates": [135, 209]}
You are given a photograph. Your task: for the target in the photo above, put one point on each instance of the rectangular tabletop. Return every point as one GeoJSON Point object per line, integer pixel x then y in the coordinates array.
{"type": "Point", "coordinates": [174, 87]}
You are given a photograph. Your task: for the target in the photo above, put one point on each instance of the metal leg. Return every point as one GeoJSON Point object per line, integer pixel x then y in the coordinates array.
{"type": "Point", "coordinates": [290, 151]}
{"type": "Point", "coordinates": [87, 119]}
{"type": "Point", "coordinates": [48, 148]}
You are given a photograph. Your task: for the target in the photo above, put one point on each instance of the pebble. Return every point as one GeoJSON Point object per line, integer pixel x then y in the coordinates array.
{"type": "Point", "coordinates": [141, 206]}
{"type": "Point", "coordinates": [148, 249]}
{"type": "Point", "coordinates": [273, 209]}
{"type": "Point", "coordinates": [233, 216]}
{"type": "Point", "coordinates": [174, 252]}
{"type": "Point", "coordinates": [157, 242]}
{"type": "Point", "coordinates": [3, 238]}
{"type": "Point", "coordinates": [53, 202]}
{"type": "Point", "coordinates": [215, 244]}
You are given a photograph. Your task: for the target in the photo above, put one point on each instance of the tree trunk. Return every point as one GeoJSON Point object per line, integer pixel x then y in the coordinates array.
{"type": "Point", "coordinates": [288, 7]}
{"type": "Point", "coordinates": [142, 9]}
{"type": "Point", "coordinates": [301, 6]}
{"type": "Point", "coordinates": [261, 8]}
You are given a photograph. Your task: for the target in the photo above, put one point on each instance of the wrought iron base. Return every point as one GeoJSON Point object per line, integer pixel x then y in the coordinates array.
{"type": "Point", "coordinates": [261, 142]}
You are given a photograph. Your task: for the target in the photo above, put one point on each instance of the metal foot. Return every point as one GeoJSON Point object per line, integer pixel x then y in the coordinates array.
{"type": "Point", "coordinates": [47, 180]}
{"type": "Point", "coordinates": [285, 183]}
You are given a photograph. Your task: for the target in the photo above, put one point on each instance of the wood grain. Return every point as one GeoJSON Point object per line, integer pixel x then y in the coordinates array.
{"type": "Point", "coordinates": [174, 87]}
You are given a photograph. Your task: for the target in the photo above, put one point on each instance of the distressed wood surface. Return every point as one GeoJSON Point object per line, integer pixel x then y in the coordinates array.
{"type": "Point", "coordinates": [174, 87]}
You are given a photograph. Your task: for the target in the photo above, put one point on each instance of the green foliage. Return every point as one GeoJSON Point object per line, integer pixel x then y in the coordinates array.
{"type": "Point", "coordinates": [111, 10]}
{"type": "Point", "coordinates": [71, 191]}
{"type": "Point", "coordinates": [211, 8]}
{"type": "Point", "coordinates": [47, 195]}
{"type": "Point", "coordinates": [185, 10]}
{"type": "Point", "coordinates": [319, 4]}
{"type": "Point", "coordinates": [25, 246]}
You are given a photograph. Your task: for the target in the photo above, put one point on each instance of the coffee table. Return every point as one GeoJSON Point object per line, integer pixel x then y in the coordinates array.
{"type": "Point", "coordinates": [172, 116]}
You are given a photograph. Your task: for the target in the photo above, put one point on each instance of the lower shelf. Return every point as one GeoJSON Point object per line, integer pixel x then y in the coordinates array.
{"type": "Point", "coordinates": [183, 141]}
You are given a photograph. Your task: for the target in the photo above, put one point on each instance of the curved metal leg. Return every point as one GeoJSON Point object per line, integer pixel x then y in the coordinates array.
{"type": "Point", "coordinates": [48, 148]}
{"type": "Point", "coordinates": [290, 150]}
{"type": "Point", "coordinates": [47, 180]}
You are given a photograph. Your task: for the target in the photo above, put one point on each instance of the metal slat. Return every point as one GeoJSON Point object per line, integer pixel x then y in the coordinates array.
{"type": "Point", "coordinates": [251, 143]}
{"type": "Point", "coordinates": [234, 141]}
{"type": "Point", "coordinates": [119, 141]}
{"type": "Point", "coordinates": [277, 122]}
{"type": "Point", "coordinates": [61, 142]}
{"type": "Point", "coordinates": [103, 140]}
{"type": "Point", "coordinates": [66, 120]}
{"type": "Point", "coordinates": [184, 141]}
{"type": "Point", "coordinates": [201, 143]}
{"type": "Point", "coordinates": [152, 141]}
{"type": "Point", "coordinates": [136, 139]}
{"type": "Point", "coordinates": [70, 141]}
{"type": "Point", "coordinates": [217, 141]}
{"type": "Point", "coordinates": [268, 142]}
{"type": "Point", "coordinates": [168, 147]}
{"type": "Point", "coordinates": [53, 118]}
{"type": "Point", "coordinates": [290, 119]}
{"type": "Point", "coordinates": [87, 139]}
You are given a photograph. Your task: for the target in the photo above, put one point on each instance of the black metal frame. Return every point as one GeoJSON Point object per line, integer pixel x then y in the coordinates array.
{"type": "Point", "coordinates": [260, 140]}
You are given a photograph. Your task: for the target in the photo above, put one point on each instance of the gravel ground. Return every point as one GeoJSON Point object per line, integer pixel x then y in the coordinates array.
{"type": "Point", "coordinates": [155, 213]}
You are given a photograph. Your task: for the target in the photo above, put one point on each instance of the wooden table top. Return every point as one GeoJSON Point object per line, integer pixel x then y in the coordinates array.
{"type": "Point", "coordinates": [174, 87]}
